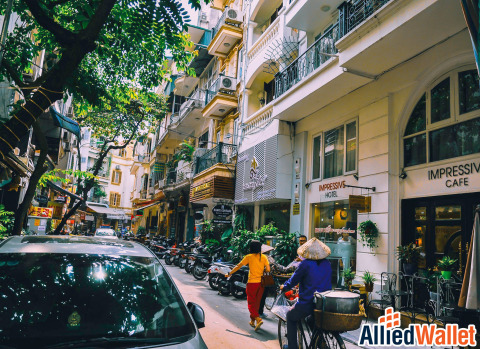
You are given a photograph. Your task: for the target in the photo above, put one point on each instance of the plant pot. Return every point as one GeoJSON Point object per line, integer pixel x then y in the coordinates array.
{"type": "Point", "coordinates": [446, 274]}
{"type": "Point", "coordinates": [369, 287]}
{"type": "Point", "coordinates": [409, 268]}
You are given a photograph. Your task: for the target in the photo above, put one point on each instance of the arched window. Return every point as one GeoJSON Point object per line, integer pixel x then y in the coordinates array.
{"type": "Point", "coordinates": [445, 122]}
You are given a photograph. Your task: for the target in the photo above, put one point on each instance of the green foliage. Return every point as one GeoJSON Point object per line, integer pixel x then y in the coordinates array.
{"type": "Point", "coordinates": [368, 233]}
{"type": "Point", "coordinates": [52, 176]}
{"type": "Point", "coordinates": [267, 230]}
{"type": "Point", "coordinates": [368, 277]}
{"type": "Point", "coordinates": [6, 222]}
{"type": "Point", "coordinates": [185, 153]}
{"type": "Point", "coordinates": [431, 278]}
{"type": "Point", "coordinates": [240, 243]}
{"type": "Point", "coordinates": [348, 276]}
{"type": "Point", "coordinates": [141, 231]}
{"type": "Point", "coordinates": [408, 253]}
{"type": "Point", "coordinates": [98, 192]}
{"type": "Point", "coordinates": [242, 219]}
{"type": "Point", "coordinates": [286, 248]}
{"type": "Point", "coordinates": [446, 264]}
{"type": "Point", "coordinates": [211, 244]}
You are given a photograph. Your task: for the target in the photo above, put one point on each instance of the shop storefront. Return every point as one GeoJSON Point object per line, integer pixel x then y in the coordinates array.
{"type": "Point", "coordinates": [441, 177]}
{"type": "Point", "coordinates": [263, 182]}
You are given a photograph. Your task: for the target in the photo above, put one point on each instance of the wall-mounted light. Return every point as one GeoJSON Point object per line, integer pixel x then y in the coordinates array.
{"type": "Point", "coordinates": [307, 185]}
{"type": "Point", "coordinates": [355, 175]}
{"type": "Point", "coordinates": [403, 175]}
{"type": "Point", "coordinates": [221, 110]}
{"type": "Point", "coordinates": [227, 44]}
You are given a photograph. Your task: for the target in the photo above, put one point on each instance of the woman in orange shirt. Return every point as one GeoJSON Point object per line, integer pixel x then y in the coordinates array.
{"type": "Point", "coordinates": [257, 264]}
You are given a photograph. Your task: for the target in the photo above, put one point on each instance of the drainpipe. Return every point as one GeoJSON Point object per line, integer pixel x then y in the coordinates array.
{"type": "Point", "coordinates": [244, 73]}
{"type": "Point", "coordinates": [6, 21]}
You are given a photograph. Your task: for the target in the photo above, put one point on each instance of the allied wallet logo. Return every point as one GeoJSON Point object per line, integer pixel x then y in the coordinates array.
{"type": "Point", "coordinates": [388, 333]}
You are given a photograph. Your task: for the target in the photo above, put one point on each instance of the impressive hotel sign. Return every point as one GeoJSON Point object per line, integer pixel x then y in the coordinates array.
{"type": "Point", "coordinates": [453, 178]}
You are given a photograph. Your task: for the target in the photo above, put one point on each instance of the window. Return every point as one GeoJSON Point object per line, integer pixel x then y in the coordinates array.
{"type": "Point", "coordinates": [115, 199]}
{"type": "Point", "coordinates": [218, 137]}
{"type": "Point", "coordinates": [203, 140]}
{"type": "Point", "coordinates": [235, 130]}
{"type": "Point", "coordinates": [444, 123]}
{"type": "Point", "coordinates": [86, 135]}
{"type": "Point", "coordinates": [317, 154]}
{"type": "Point", "coordinates": [339, 150]}
{"type": "Point", "coordinates": [122, 153]}
{"type": "Point", "coordinates": [83, 160]}
{"type": "Point", "coordinates": [116, 177]}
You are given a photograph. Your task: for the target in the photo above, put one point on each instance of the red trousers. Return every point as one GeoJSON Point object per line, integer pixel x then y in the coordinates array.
{"type": "Point", "coordinates": [254, 296]}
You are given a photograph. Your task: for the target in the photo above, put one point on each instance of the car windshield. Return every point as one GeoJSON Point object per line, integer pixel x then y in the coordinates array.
{"type": "Point", "coordinates": [48, 299]}
{"type": "Point", "coordinates": [105, 232]}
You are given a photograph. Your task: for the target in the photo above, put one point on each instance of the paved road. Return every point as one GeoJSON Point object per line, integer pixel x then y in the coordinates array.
{"type": "Point", "coordinates": [226, 318]}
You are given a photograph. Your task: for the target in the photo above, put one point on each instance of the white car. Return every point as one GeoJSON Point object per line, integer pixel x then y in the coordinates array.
{"type": "Point", "coordinates": [106, 233]}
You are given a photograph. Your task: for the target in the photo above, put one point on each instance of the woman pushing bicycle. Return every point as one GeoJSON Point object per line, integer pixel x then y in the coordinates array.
{"type": "Point", "coordinates": [314, 274]}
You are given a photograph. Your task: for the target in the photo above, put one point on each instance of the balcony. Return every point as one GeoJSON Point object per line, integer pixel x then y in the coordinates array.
{"type": "Point", "coordinates": [310, 16]}
{"type": "Point", "coordinates": [189, 114]}
{"type": "Point", "coordinates": [220, 98]}
{"type": "Point", "coordinates": [317, 54]}
{"type": "Point", "coordinates": [226, 33]}
{"type": "Point", "coordinates": [180, 175]}
{"type": "Point", "coordinates": [221, 154]}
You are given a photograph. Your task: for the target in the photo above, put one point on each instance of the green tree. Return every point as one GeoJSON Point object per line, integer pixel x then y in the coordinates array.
{"type": "Point", "coordinates": [93, 48]}
{"type": "Point", "coordinates": [119, 124]}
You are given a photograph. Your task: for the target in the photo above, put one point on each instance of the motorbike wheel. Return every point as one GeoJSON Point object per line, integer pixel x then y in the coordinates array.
{"type": "Point", "coordinates": [188, 268]}
{"type": "Point", "coordinates": [237, 292]}
{"type": "Point", "coordinates": [270, 298]}
{"type": "Point", "coordinates": [213, 282]}
{"type": "Point", "coordinates": [182, 263]}
{"type": "Point", "coordinates": [168, 260]}
{"type": "Point", "coordinates": [224, 287]}
{"type": "Point", "coordinates": [197, 273]}
{"type": "Point", "coordinates": [176, 261]}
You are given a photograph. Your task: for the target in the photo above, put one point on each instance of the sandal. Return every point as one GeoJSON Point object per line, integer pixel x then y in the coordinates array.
{"type": "Point", "coordinates": [252, 323]}
{"type": "Point", "coordinates": [259, 323]}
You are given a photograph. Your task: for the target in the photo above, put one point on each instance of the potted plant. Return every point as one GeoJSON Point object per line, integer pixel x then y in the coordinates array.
{"type": "Point", "coordinates": [368, 279]}
{"type": "Point", "coordinates": [446, 265]}
{"type": "Point", "coordinates": [368, 233]}
{"type": "Point", "coordinates": [409, 255]}
{"type": "Point", "coordinates": [348, 276]}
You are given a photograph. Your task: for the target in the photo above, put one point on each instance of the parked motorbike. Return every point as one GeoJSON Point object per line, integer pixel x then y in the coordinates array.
{"type": "Point", "coordinates": [170, 255]}
{"type": "Point", "coordinates": [202, 264]}
{"type": "Point", "coordinates": [216, 272]}
{"type": "Point", "coordinates": [238, 283]}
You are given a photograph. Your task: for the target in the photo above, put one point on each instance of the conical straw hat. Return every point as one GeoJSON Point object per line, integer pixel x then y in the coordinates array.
{"type": "Point", "coordinates": [266, 248]}
{"type": "Point", "coordinates": [314, 249]}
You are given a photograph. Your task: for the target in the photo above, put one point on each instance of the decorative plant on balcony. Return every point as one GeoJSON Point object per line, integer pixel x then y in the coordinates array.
{"type": "Point", "coordinates": [267, 230]}
{"type": "Point", "coordinates": [368, 233]}
{"type": "Point", "coordinates": [446, 265]}
{"type": "Point", "coordinates": [368, 279]}
{"type": "Point", "coordinates": [348, 276]}
{"type": "Point", "coordinates": [185, 153]}
{"type": "Point", "coordinates": [98, 192]}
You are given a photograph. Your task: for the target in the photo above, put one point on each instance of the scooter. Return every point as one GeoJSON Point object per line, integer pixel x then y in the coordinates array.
{"type": "Point", "coordinates": [170, 255]}
{"type": "Point", "coordinates": [238, 283]}
{"type": "Point", "coordinates": [202, 264]}
{"type": "Point", "coordinates": [216, 272]}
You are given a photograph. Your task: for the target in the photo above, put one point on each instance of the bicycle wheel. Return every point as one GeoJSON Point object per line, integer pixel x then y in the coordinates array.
{"type": "Point", "coordinates": [282, 333]}
{"type": "Point", "coordinates": [328, 340]}
{"type": "Point", "coordinates": [270, 298]}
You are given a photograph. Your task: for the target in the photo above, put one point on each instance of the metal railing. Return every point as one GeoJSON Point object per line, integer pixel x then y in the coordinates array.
{"type": "Point", "coordinates": [196, 100]}
{"type": "Point", "coordinates": [215, 88]}
{"type": "Point", "coordinates": [143, 158]}
{"type": "Point", "coordinates": [317, 54]}
{"type": "Point", "coordinates": [221, 154]}
{"type": "Point", "coordinates": [352, 13]}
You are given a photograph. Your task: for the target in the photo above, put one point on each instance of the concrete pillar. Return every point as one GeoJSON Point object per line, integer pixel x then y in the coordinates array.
{"type": "Point", "coordinates": [297, 222]}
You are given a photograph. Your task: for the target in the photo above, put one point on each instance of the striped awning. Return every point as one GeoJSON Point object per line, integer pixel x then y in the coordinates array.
{"type": "Point", "coordinates": [65, 122]}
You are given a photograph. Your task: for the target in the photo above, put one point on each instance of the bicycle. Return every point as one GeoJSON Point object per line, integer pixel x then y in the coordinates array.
{"type": "Point", "coordinates": [308, 335]}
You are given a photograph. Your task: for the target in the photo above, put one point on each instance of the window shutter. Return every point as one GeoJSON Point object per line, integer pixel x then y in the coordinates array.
{"type": "Point", "coordinates": [119, 177]}
{"type": "Point", "coordinates": [118, 199]}
{"type": "Point", "coordinates": [112, 199]}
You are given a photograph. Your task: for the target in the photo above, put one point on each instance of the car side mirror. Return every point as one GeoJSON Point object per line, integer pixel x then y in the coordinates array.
{"type": "Point", "coordinates": [197, 313]}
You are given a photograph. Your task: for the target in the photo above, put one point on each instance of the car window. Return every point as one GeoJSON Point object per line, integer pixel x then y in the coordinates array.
{"type": "Point", "coordinates": [52, 298]}
{"type": "Point", "coordinates": [105, 233]}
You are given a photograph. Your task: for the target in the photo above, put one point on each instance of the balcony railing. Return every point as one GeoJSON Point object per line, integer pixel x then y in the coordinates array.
{"type": "Point", "coordinates": [143, 158]}
{"type": "Point", "coordinates": [179, 174]}
{"type": "Point", "coordinates": [221, 22]}
{"type": "Point", "coordinates": [214, 88]}
{"type": "Point", "coordinates": [317, 54]}
{"type": "Point", "coordinates": [196, 100]}
{"type": "Point", "coordinates": [221, 154]}
{"type": "Point", "coordinates": [351, 14]}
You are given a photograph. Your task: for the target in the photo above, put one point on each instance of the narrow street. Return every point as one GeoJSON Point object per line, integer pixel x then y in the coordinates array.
{"type": "Point", "coordinates": [226, 318]}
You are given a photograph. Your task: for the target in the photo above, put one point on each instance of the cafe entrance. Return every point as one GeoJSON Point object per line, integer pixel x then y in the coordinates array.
{"type": "Point", "coordinates": [441, 225]}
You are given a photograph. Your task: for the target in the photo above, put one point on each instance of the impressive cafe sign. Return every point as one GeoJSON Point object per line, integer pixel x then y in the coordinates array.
{"type": "Point", "coordinates": [453, 178]}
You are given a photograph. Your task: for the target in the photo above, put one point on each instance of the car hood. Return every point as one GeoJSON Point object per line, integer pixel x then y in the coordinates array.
{"type": "Point", "coordinates": [194, 343]}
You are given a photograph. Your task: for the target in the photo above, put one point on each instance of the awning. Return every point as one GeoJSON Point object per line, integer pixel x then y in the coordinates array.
{"type": "Point", "coordinates": [149, 205]}
{"type": "Point", "coordinates": [63, 191]}
{"type": "Point", "coordinates": [65, 122]}
{"type": "Point", "coordinates": [112, 213]}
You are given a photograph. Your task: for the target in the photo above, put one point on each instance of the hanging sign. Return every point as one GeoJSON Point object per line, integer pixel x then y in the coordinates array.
{"type": "Point", "coordinates": [222, 211]}
{"type": "Point", "coordinates": [221, 221]}
{"type": "Point", "coordinates": [296, 209]}
{"type": "Point", "coordinates": [360, 203]}
{"type": "Point", "coordinates": [41, 212]}
{"type": "Point", "coordinates": [42, 199]}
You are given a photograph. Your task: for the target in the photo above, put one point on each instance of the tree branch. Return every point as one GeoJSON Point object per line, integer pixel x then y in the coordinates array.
{"type": "Point", "coordinates": [63, 36]}
{"type": "Point", "coordinates": [52, 4]}
{"type": "Point", "coordinates": [90, 33]}
{"type": "Point", "coordinates": [13, 74]}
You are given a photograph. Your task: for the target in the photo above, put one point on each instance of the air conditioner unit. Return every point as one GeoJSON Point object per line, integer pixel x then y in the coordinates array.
{"type": "Point", "coordinates": [66, 148]}
{"type": "Point", "coordinates": [203, 16]}
{"type": "Point", "coordinates": [65, 136]}
{"type": "Point", "coordinates": [74, 142]}
{"type": "Point", "coordinates": [233, 16]}
{"type": "Point", "coordinates": [117, 167]}
{"type": "Point", "coordinates": [227, 83]}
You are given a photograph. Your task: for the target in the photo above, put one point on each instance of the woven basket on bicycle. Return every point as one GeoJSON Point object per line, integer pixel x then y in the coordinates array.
{"type": "Point", "coordinates": [337, 322]}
